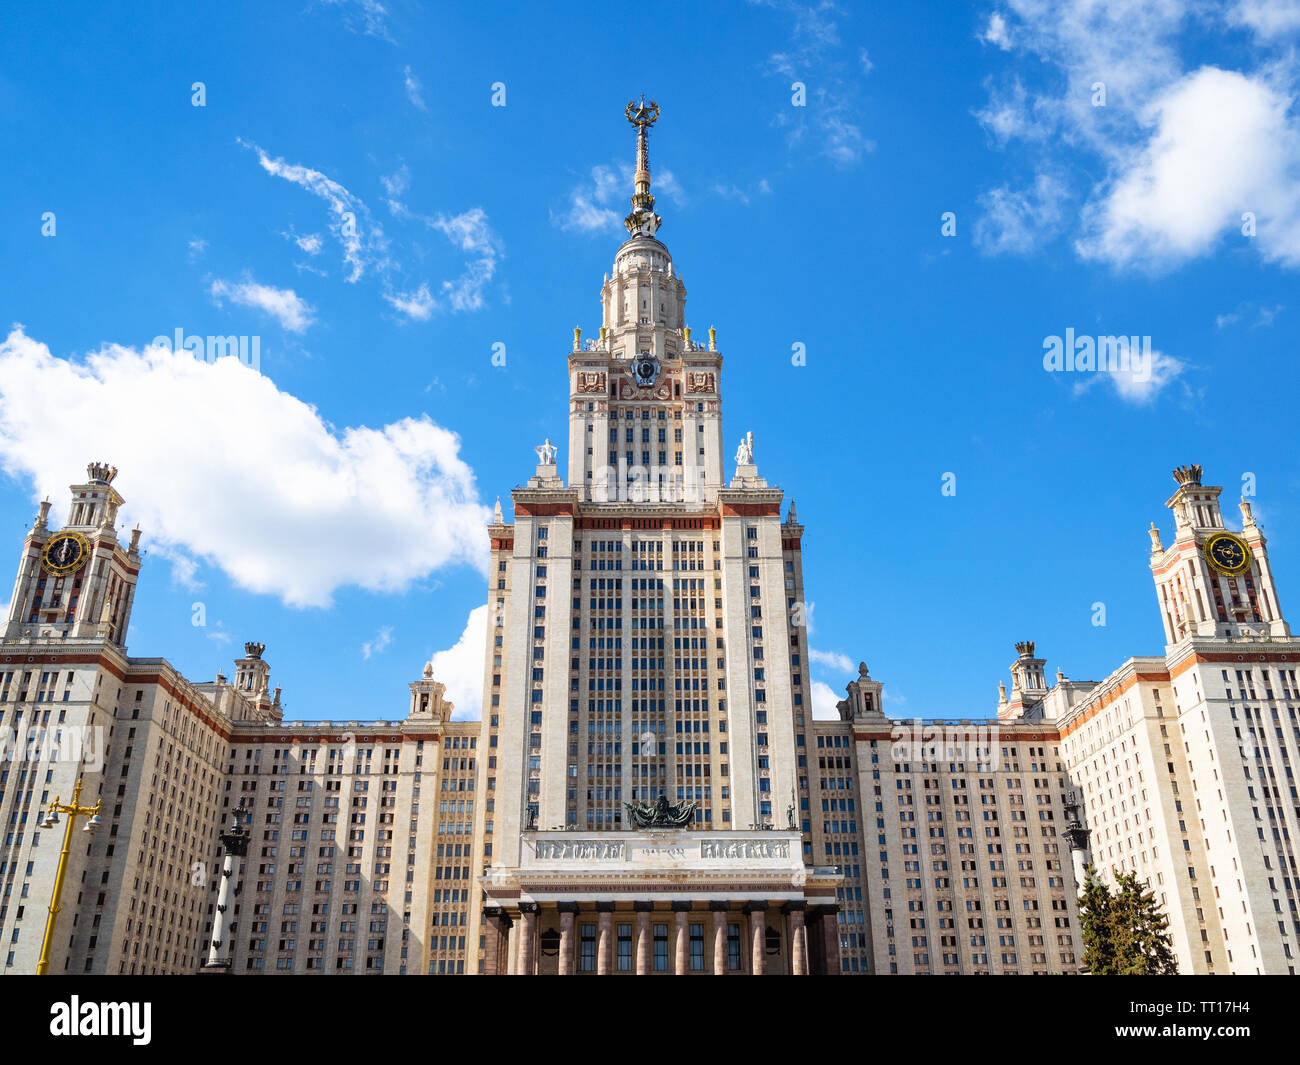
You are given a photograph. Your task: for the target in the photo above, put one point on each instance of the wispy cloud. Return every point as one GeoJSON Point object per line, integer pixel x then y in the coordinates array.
{"type": "Point", "coordinates": [418, 305]}
{"type": "Point", "coordinates": [368, 17]}
{"type": "Point", "coordinates": [599, 203]}
{"type": "Point", "coordinates": [414, 90]}
{"type": "Point", "coordinates": [283, 304]}
{"type": "Point", "coordinates": [378, 643]}
{"type": "Point", "coordinates": [1019, 220]}
{"type": "Point", "coordinates": [361, 238]}
{"type": "Point", "coordinates": [816, 56]}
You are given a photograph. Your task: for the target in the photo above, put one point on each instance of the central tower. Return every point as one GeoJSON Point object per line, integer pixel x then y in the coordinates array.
{"type": "Point", "coordinates": [646, 649]}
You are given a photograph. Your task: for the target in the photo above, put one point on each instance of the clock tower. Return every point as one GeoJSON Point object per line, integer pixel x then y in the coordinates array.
{"type": "Point", "coordinates": [77, 581]}
{"type": "Point", "coordinates": [1211, 581]}
{"type": "Point", "coordinates": [645, 417]}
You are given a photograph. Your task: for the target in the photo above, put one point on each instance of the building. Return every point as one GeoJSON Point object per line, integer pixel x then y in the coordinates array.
{"type": "Point", "coordinates": [647, 790]}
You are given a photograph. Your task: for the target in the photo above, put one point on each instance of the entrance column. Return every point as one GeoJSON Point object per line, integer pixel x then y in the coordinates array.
{"type": "Point", "coordinates": [568, 910]}
{"type": "Point", "coordinates": [494, 947]}
{"type": "Point", "coordinates": [643, 911]}
{"type": "Point", "coordinates": [681, 966]}
{"type": "Point", "coordinates": [528, 939]}
{"type": "Point", "coordinates": [798, 937]}
{"type": "Point", "coordinates": [830, 937]}
{"type": "Point", "coordinates": [604, 936]}
{"type": "Point", "coordinates": [720, 910]}
{"type": "Point", "coordinates": [757, 935]}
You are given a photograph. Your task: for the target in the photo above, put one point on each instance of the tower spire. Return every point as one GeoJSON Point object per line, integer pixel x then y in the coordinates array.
{"type": "Point", "coordinates": [642, 221]}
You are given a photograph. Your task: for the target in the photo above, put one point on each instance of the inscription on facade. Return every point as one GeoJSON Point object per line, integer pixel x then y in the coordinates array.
{"type": "Point", "coordinates": [588, 849]}
{"type": "Point", "coordinates": [751, 848]}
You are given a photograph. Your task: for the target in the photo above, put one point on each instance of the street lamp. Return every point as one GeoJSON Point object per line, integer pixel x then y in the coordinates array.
{"type": "Point", "coordinates": [73, 810]}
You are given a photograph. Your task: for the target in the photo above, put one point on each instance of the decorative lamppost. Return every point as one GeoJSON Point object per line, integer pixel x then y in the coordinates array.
{"type": "Point", "coordinates": [235, 842]}
{"type": "Point", "coordinates": [51, 820]}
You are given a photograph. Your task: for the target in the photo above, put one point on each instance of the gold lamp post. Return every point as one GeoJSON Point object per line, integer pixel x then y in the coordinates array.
{"type": "Point", "coordinates": [73, 810]}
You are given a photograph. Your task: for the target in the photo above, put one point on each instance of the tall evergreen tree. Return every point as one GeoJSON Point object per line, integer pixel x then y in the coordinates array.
{"type": "Point", "coordinates": [1125, 933]}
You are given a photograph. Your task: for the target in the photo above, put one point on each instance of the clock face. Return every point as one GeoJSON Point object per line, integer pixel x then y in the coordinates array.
{"type": "Point", "coordinates": [66, 552]}
{"type": "Point", "coordinates": [1228, 554]}
{"type": "Point", "coordinates": [646, 369]}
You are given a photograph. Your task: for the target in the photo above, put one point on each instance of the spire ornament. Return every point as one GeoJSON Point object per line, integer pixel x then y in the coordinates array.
{"type": "Point", "coordinates": [642, 221]}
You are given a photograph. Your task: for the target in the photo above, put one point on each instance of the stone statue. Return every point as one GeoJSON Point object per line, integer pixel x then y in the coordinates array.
{"type": "Point", "coordinates": [661, 813]}
{"type": "Point", "coordinates": [546, 453]}
{"type": "Point", "coordinates": [745, 453]}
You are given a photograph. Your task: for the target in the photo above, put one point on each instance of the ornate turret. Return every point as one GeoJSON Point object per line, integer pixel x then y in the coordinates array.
{"type": "Point", "coordinates": [100, 473]}
{"type": "Point", "coordinates": [254, 650]}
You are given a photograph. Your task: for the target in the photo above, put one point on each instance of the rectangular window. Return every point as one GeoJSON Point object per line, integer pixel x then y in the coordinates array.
{"type": "Point", "coordinates": [733, 947]}
{"type": "Point", "coordinates": [697, 948]}
{"type": "Point", "coordinates": [661, 948]}
{"type": "Point", "coordinates": [587, 949]}
{"type": "Point", "coordinates": [625, 948]}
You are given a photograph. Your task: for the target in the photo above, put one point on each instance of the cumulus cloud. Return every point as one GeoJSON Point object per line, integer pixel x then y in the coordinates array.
{"type": "Point", "coordinates": [283, 304]}
{"type": "Point", "coordinates": [1222, 145]}
{"type": "Point", "coordinates": [1169, 157]}
{"type": "Point", "coordinates": [1266, 18]}
{"type": "Point", "coordinates": [460, 667]}
{"type": "Point", "coordinates": [833, 660]}
{"type": "Point", "coordinates": [219, 465]}
{"type": "Point", "coordinates": [824, 700]}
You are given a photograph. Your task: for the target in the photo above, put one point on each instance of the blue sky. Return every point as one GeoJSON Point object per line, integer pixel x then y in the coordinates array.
{"type": "Point", "coordinates": [349, 194]}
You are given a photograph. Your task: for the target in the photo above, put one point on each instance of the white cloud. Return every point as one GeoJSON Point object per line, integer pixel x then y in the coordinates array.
{"type": "Point", "coordinates": [586, 216]}
{"type": "Point", "coordinates": [394, 185]}
{"type": "Point", "coordinates": [1140, 385]}
{"type": "Point", "coordinates": [197, 248]}
{"type": "Point", "coordinates": [283, 304]}
{"type": "Point", "coordinates": [1222, 145]}
{"type": "Point", "coordinates": [220, 465]}
{"type": "Point", "coordinates": [816, 56]}
{"type": "Point", "coordinates": [1181, 153]}
{"type": "Point", "coordinates": [1017, 220]}
{"type": "Point", "coordinates": [601, 203]}
{"type": "Point", "coordinates": [996, 33]}
{"type": "Point", "coordinates": [1013, 114]}
{"type": "Point", "coordinates": [418, 305]}
{"type": "Point", "coordinates": [414, 90]}
{"type": "Point", "coordinates": [833, 660]}
{"type": "Point", "coordinates": [368, 17]}
{"type": "Point", "coordinates": [362, 239]}
{"type": "Point", "coordinates": [470, 232]}
{"type": "Point", "coordinates": [824, 700]}
{"type": "Point", "coordinates": [311, 243]}
{"type": "Point", "coordinates": [378, 643]}
{"type": "Point", "coordinates": [1266, 18]}
{"type": "Point", "coordinates": [460, 667]}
